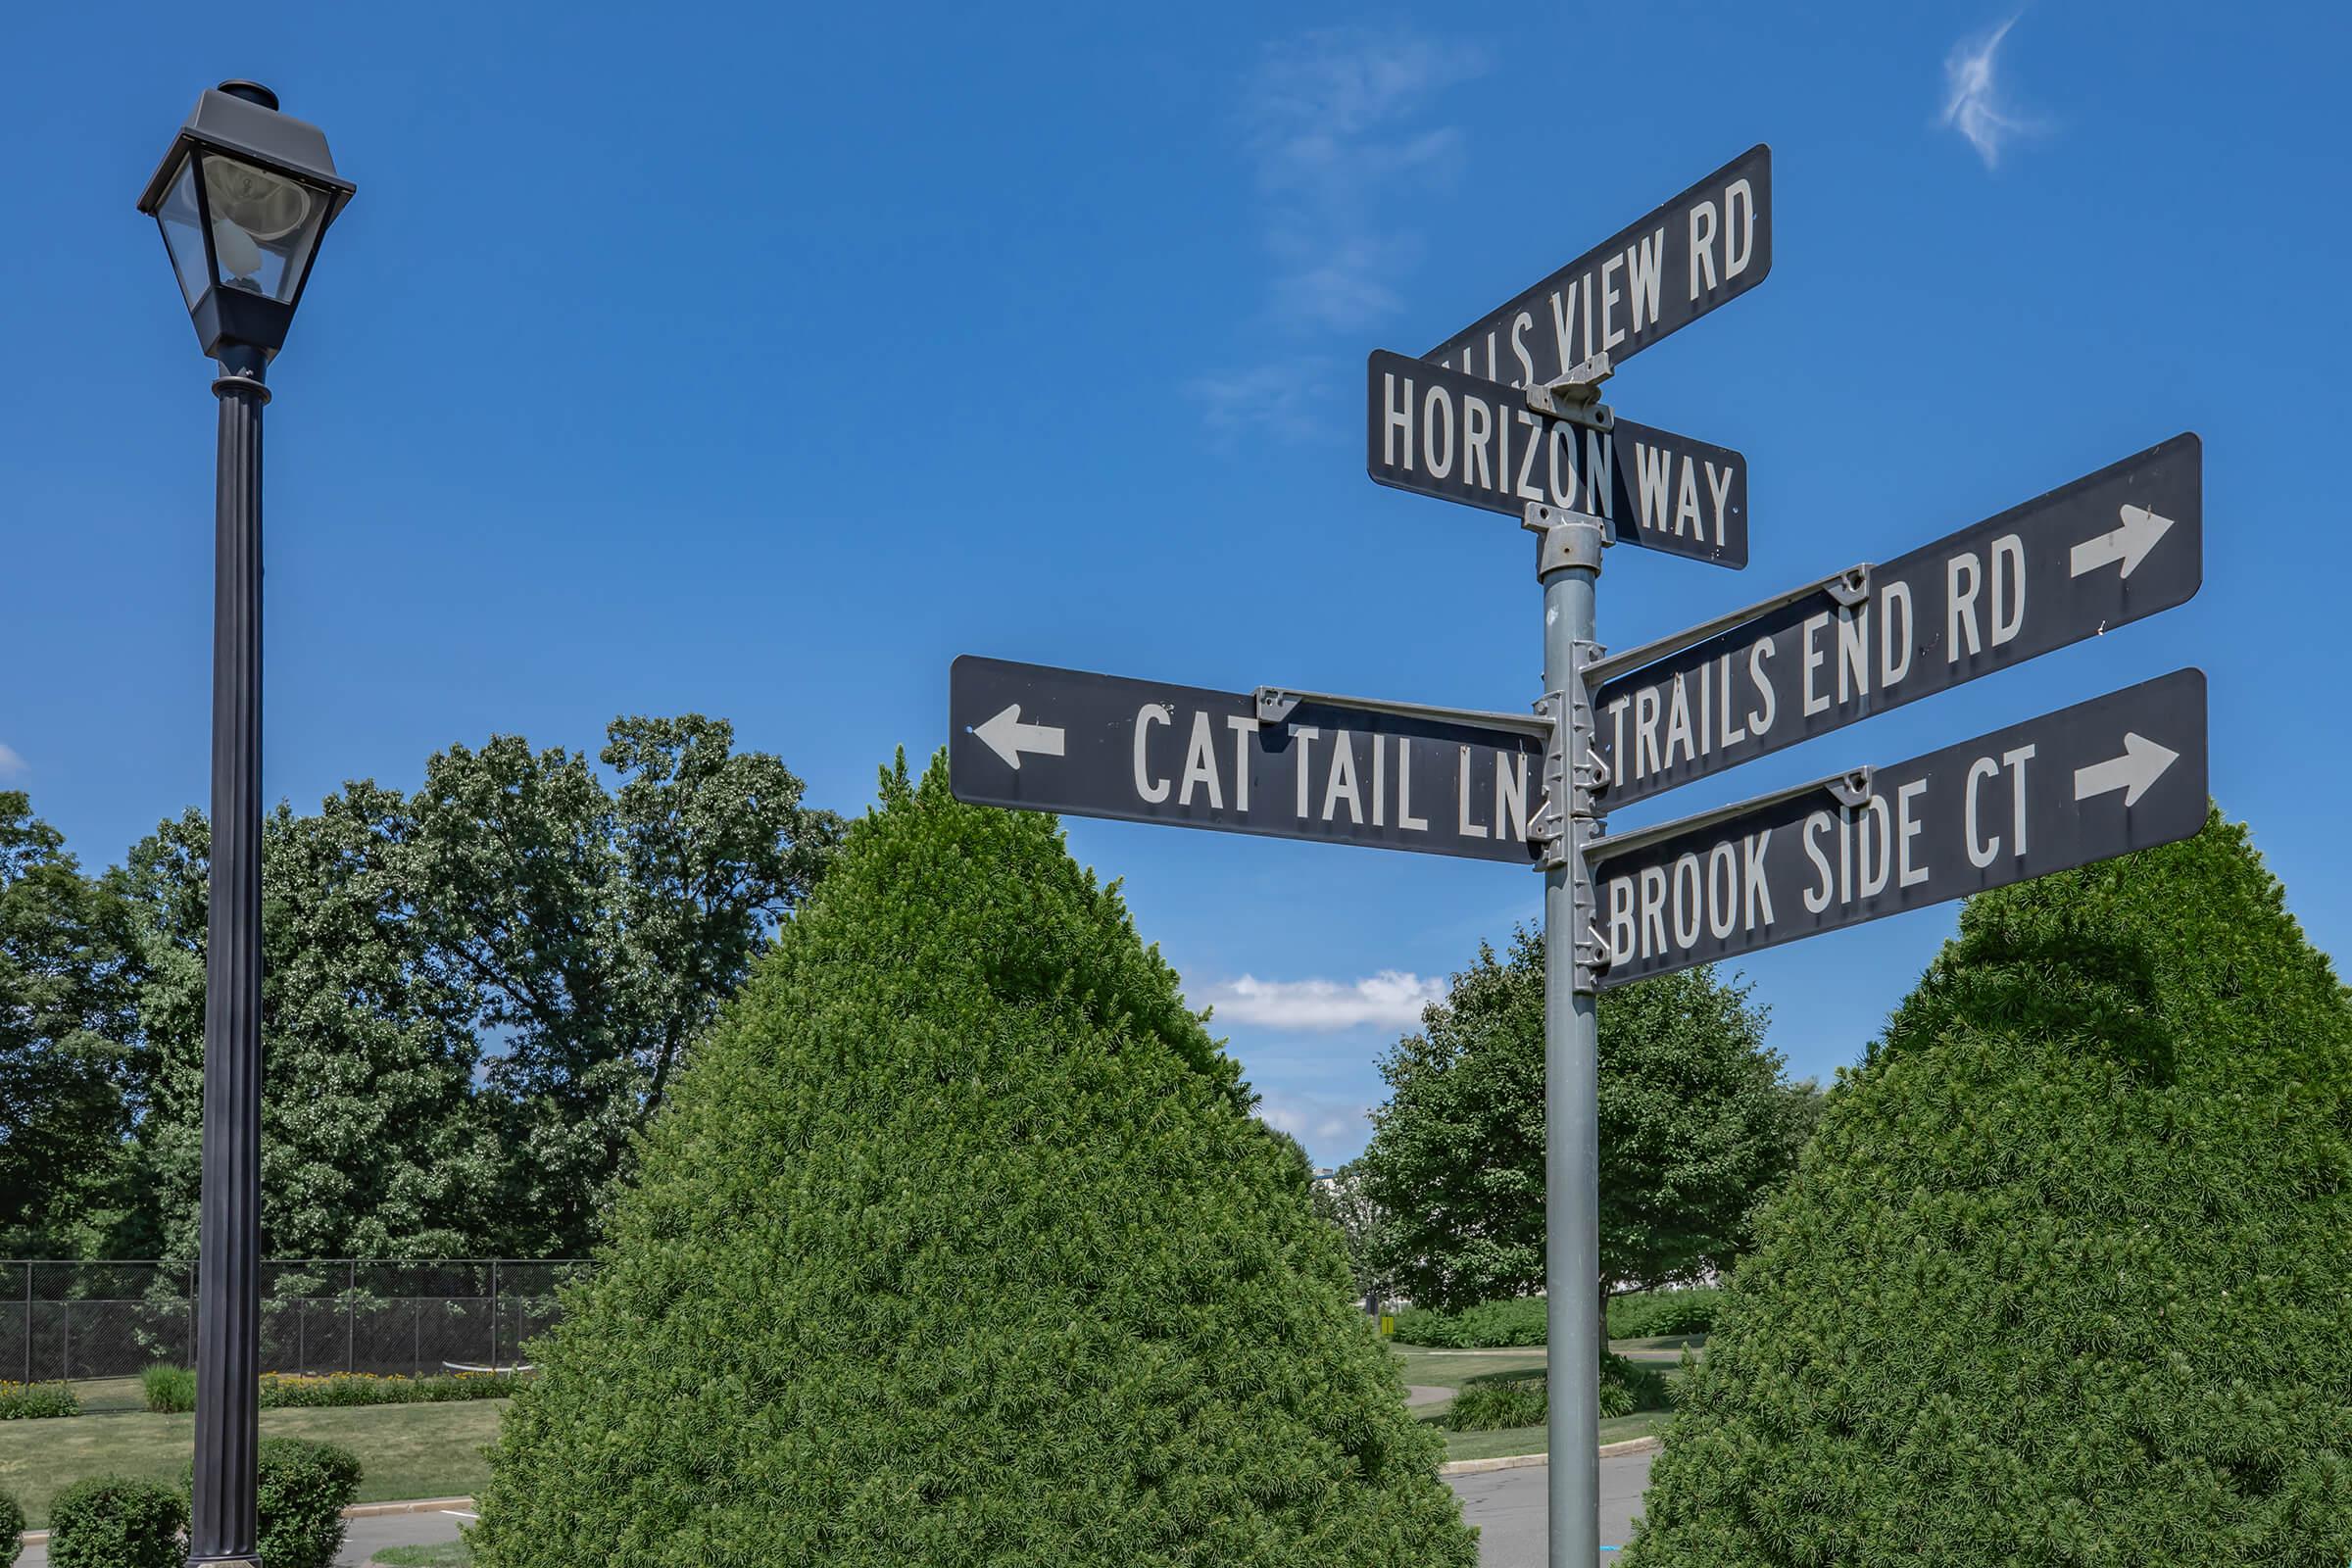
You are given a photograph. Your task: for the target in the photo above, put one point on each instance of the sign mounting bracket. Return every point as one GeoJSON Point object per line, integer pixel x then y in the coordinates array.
{"type": "Point", "coordinates": [1850, 788]}
{"type": "Point", "coordinates": [1847, 588]}
{"type": "Point", "coordinates": [1276, 704]}
{"type": "Point", "coordinates": [1576, 395]}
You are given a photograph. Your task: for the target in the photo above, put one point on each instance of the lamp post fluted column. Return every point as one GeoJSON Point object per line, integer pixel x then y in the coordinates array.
{"type": "Point", "coordinates": [242, 198]}
{"type": "Point", "coordinates": [222, 1525]}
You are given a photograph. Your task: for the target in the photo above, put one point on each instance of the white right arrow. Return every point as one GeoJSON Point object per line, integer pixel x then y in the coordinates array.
{"type": "Point", "coordinates": [2142, 763]}
{"type": "Point", "coordinates": [2128, 544]}
{"type": "Point", "coordinates": [1009, 737]}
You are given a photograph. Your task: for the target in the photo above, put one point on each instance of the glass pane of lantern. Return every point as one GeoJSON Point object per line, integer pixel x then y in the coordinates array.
{"type": "Point", "coordinates": [183, 235]}
{"type": "Point", "coordinates": [264, 225]}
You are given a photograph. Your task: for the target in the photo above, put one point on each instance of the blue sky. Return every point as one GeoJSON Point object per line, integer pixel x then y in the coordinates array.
{"type": "Point", "coordinates": [758, 361]}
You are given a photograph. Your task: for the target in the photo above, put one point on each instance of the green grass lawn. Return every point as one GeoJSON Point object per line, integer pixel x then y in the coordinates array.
{"type": "Point", "coordinates": [1450, 1369]}
{"type": "Point", "coordinates": [406, 1451]}
{"type": "Point", "coordinates": [443, 1554]}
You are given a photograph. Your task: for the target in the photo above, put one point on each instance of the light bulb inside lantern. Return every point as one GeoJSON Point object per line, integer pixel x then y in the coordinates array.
{"type": "Point", "coordinates": [241, 257]}
{"type": "Point", "coordinates": [262, 204]}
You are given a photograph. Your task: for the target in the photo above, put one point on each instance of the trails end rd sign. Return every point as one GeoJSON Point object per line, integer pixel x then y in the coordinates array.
{"type": "Point", "coordinates": [2113, 547]}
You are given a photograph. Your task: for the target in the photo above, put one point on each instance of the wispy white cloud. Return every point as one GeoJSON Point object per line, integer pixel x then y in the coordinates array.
{"type": "Point", "coordinates": [1336, 126]}
{"type": "Point", "coordinates": [1333, 118]}
{"type": "Point", "coordinates": [1392, 998]}
{"type": "Point", "coordinates": [11, 765]}
{"type": "Point", "coordinates": [1974, 103]}
{"type": "Point", "coordinates": [1333, 1130]}
{"type": "Point", "coordinates": [1284, 399]}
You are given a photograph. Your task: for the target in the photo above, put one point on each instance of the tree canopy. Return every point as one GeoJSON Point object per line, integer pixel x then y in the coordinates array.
{"type": "Point", "coordinates": [958, 1244]}
{"type": "Point", "coordinates": [473, 996]}
{"type": "Point", "coordinates": [2063, 1274]}
{"type": "Point", "coordinates": [1696, 1120]}
{"type": "Point", "coordinates": [68, 981]}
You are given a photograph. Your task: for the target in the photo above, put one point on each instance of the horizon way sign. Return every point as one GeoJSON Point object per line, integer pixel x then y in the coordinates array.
{"type": "Point", "coordinates": [1441, 433]}
{"type": "Point", "coordinates": [2120, 772]}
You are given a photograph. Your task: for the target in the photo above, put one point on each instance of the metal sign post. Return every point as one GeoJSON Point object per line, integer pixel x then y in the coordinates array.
{"type": "Point", "coordinates": [1568, 565]}
{"type": "Point", "coordinates": [1505, 416]}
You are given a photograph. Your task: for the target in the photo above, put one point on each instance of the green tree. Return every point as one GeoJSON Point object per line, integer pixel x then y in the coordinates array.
{"type": "Point", "coordinates": [1362, 1225]}
{"type": "Point", "coordinates": [2063, 1276]}
{"type": "Point", "coordinates": [67, 982]}
{"type": "Point", "coordinates": [957, 1244]}
{"type": "Point", "coordinates": [373, 1141]}
{"type": "Point", "coordinates": [599, 931]}
{"type": "Point", "coordinates": [1695, 1122]}
{"type": "Point", "coordinates": [472, 996]}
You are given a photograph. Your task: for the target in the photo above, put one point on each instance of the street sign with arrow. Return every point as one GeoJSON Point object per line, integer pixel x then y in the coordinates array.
{"type": "Point", "coordinates": [1438, 432]}
{"type": "Point", "coordinates": [1390, 775]}
{"type": "Point", "coordinates": [2115, 547]}
{"type": "Point", "coordinates": [2120, 772]}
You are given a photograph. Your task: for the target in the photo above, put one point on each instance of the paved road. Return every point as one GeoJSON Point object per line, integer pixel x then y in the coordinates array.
{"type": "Point", "coordinates": [1508, 1507]}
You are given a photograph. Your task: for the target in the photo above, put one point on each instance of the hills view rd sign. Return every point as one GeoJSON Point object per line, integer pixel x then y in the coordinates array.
{"type": "Point", "coordinates": [2120, 772]}
{"type": "Point", "coordinates": [1438, 432]}
{"type": "Point", "coordinates": [1041, 739]}
{"type": "Point", "coordinates": [1703, 248]}
{"type": "Point", "coordinates": [2112, 547]}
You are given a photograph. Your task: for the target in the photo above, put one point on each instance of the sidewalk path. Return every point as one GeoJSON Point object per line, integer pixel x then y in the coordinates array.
{"type": "Point", "coordinates": [1508, 1506]}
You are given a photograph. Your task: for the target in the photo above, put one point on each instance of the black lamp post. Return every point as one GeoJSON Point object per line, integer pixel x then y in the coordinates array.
{"type": "Point", "coordinates": [242, 197]}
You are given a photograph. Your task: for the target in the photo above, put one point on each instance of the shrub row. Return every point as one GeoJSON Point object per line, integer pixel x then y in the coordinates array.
{"type": "Point", "coordinates": [1646, 1314]}
{"type": "Point", "coordinates": [1516, 1399]}
{"type": "Point", "coordinates": [121, 1521]}
{"type": "Point", "coordinates": [1520, 1320]}
{"type": "Point", "coordinates": [36, 1402]}
{"type": "Point", "coordinates": [171, 1390]}
{"type": "Point", "coordinates": [1517, 1320]}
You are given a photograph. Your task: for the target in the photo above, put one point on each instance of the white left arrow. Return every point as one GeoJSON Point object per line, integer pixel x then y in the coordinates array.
{"type": "Point", "coordinates": [2128, 543]}
{"type": "Point", "coordinates": [1009, 737]}
{"type": "Point", "coordinates": [2142, 763]}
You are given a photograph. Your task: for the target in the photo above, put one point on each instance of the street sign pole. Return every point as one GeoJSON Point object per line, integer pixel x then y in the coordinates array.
{"type": "Point", "coordinates": [1568, 565]}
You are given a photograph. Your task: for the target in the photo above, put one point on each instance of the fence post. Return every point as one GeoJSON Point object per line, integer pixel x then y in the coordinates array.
{"type": "Point", "coordinates": [28, 1322]}
{"type": "Point", "coordinates": [351, 1306]}
{"type": "Point", "coordinates": [494, 1317]}
{"type": "Point", "coordinates": [67, 1369]}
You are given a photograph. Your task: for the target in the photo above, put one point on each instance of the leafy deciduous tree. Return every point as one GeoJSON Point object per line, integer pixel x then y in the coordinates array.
{"type": "Point", "coordinates": [1695, 1122]}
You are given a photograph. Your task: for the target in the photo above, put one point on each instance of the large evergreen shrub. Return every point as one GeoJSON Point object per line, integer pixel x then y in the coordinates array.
{"type": "Point", "coordinates": [11, 1529]}
{"type": "Point", "coordinates": [2066, 1276]}
{"type": "Point", "coordinates": [957, 1245]}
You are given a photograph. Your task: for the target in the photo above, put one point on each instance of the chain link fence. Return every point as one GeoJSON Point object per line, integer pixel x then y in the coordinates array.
{"type": "Point", "coordinates": [318, 1315]}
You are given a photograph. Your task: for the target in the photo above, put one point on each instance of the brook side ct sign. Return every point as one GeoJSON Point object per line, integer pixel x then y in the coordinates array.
{"type": "Point", "coordinates": [2120, 772]}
